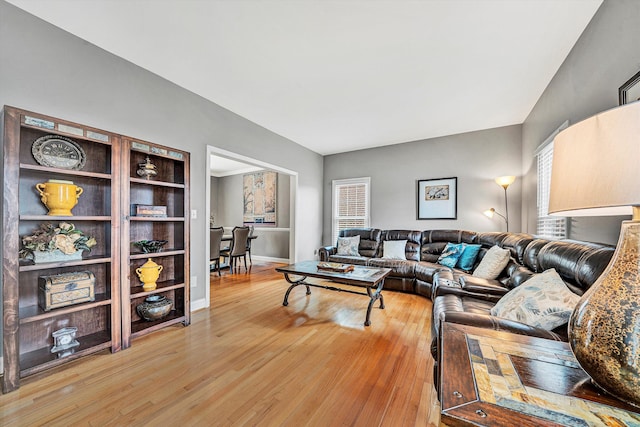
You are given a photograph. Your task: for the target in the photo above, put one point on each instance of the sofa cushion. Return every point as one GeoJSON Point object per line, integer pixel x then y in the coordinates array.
{"type": "Point", "coordinates": [370, 239]}
{"type": "Point", "coordinates": [468, 257]}
{"type": "Point", "coordinates": [401, 268]}
{"type": "Point", "coordinates": [348, 245]}
{"type": "Point", "coordinates": [544, 301]}
{"type": "Point", "coordinates": [394, 249]}
{"type": "Point", "coordinates": [426, 270]}
{"type": "Point", "coordinates": [413, 238]}
{"type": "Point", "coordinates": [451, 254]}
{"type": "Point", "coordinates": [492, 264]}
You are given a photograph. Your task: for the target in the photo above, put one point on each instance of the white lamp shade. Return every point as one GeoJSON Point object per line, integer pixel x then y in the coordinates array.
{"type": "Point", "coordinates": [505, 181]}
{"type": "Point", "coordinates": [596, 165]}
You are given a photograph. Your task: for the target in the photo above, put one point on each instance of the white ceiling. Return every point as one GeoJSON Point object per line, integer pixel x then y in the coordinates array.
{"type": "Point", "coordinates": [221, 166]}
{"type": "Point", "coordinates": [341, 75]}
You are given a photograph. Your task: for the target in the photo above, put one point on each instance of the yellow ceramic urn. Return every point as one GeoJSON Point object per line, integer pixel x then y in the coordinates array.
{"type": "Point", "coordinates": [148, 274]}
{"type": "Point", "coordinates": [59, 196]}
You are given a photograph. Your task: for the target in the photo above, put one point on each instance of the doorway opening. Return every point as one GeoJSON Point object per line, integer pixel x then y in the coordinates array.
{"type": "Point", "coordinates": [230, 166]}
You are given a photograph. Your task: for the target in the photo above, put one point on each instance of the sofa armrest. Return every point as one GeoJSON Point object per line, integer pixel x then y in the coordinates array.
{"type": "Point", "coordinates": [467, 286]}
{"type": "Point", "coordinates": [497, 324]}
{"type": "Point", "coordinates": [477, 285]}
{"type": "Point", "coordinates": [444, 282]}
{"type": "Point", "coordinates": [490, 322]}
{"type": "Point", "coordinates": [326, 251]}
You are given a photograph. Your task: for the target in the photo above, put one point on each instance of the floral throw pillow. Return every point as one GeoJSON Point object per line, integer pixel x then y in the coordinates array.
{"type": "Point", "coordinates": [543, 301]}
{"type": "Point", "coordinates": [348, 246]}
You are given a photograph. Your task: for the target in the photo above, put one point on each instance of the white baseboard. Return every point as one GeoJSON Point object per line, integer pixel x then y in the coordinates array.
{"type": "Point", "coordinates": [199, 304]}
{"type": "Point", "coordinates": [270, 259]}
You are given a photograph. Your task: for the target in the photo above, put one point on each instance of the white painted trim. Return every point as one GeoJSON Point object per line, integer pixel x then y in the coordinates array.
{"type": "Point", "coordinates": [1, 365]}
{"type": "Point", "coordinates": [201, 303]}
{"type": "Point", "coordinates": [270, 259]}
{"type": "Point", "coordinates": [261, 229]}
{"type": "Point", "coordinates": [293, 190]}
{"type": "Point", "coordinates": [239, 157]}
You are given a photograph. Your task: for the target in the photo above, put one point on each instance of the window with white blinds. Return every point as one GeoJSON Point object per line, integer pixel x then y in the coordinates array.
{"type": "Point", "coordinates": [551, 227]}
{"type": "Point", "coordinates": [350, 204]}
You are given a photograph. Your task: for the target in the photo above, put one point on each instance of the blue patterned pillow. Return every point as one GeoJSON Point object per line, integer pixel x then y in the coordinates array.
{"type": "Point", "coordinates": [468, 257]}
{"type": "Point", "coordinates": [450, 255]}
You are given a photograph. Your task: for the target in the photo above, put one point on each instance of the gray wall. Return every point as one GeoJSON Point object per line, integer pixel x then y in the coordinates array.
{"type": "Point", "coordinates": [226, 200]}
{"type": "Point", "coordinates": [605, 56]}
{"type": "Point", "coordinates": [212, 200]}
{"type": "Point", "coordinates": [475, 158]}
{"type": "Point", "coordinates": [47, 70]}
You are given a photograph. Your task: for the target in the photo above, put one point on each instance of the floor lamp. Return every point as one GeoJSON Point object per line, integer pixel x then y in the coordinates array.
{"type": "Point", "coordinates": [504, 182]}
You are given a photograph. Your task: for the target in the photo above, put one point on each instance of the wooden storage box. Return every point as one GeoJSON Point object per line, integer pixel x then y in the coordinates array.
{"type": "Point", "coordinates": [148, 210]}
{"type": "Point", "coordinates": [65, 289]}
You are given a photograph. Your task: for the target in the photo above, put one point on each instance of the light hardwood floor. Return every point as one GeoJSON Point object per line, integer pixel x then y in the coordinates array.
{"type": "Point", "coordinates": [250, 361]}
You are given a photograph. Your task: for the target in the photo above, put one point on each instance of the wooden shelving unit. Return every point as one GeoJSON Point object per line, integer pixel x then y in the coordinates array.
{"type": "Point", "coordinates": [110, 186]}
{"type": "Point", "coordinates": [27, 328]}
{"type": "Point", "coordinates": [169, 188]}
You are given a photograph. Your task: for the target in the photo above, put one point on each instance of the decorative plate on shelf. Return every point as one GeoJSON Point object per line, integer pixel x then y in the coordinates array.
{"type": "Point", "coordinates": [58, 152]}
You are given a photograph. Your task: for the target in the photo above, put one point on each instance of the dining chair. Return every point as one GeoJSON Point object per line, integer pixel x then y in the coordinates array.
{"type": "Point", "coordinates": [215, 238]}
{"type": "Point", "coordinates": [249, 240]}
{"type": "Point", "coordinates": [238, 247]}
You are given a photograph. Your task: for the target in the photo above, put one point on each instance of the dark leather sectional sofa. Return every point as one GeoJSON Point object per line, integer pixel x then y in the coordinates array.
{"type": "Point", "coordinates": [462, 298]}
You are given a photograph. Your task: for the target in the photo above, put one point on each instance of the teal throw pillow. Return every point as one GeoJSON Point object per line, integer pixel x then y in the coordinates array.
{"type": "Point", "coordinates": [450, 255]}
{"type": "Point", "coordinates": [468, 257]}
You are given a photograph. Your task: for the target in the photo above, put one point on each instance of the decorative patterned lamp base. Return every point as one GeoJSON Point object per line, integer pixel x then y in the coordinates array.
{"type": "Point", "coordinates": [604, 329]}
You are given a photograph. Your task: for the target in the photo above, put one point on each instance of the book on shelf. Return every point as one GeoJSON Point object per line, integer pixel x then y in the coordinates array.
{"type": "Point", "coordinates": [335, 266]}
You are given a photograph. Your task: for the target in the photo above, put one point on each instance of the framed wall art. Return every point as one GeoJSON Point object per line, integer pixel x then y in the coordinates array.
{"type": "Point", "coordinates": [260, 198]}
{"type": "Point", "coordinates": [437, 198]}
{"type": "Point", "coordinates": [630, 90]}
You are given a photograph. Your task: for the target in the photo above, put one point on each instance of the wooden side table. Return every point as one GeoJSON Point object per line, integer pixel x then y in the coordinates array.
{"type": "Point", "coordinates": [492, 378]}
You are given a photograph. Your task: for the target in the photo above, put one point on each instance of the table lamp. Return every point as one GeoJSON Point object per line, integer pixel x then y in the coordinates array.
{"type": "Point", "coordinates": [596, 171]}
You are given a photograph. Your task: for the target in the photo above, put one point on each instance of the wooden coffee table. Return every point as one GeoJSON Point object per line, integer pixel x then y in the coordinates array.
{"type": "Point", "coordinates": [371, 278]}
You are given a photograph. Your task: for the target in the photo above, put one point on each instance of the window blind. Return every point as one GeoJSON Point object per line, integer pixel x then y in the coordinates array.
{"type": "Point", "coordinates": [550, 227]}
{"type": "Point", "coordinates": [350, 204]}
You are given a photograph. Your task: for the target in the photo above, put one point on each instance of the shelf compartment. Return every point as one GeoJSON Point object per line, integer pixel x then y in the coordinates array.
{"type": "Point", "coordinates": [98, 156]}
{"type": "Point", "coordinates": [35, 313]}
{"type": "Point", "coordinates": [38, 334]}
{"type": "Point", "coordinates": [169, 170]}
{"type": "Point", "coordinates": [172, 270]}
{"type": "Point", "coordinates": [172, 198]}
{"type": "Point", "coordinates": [172, 232]}
{"type": "Point", "coordinates": [41, 359]}
{"type": "Point", "coordinates": [143, 327]}
{"type": "Point", "coordinates": [95, 199]}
